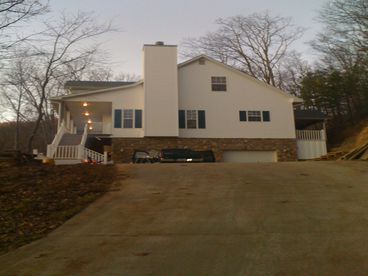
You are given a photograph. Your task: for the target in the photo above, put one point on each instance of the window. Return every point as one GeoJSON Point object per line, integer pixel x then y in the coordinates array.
{"type": "Point", "coordinates": [191, 119]}
{"type": "Point", "coordinates": [218, 83]}
{"type": "Point", "coordinates": [254, 116]}
{"type": "Point", "coordinates": [128, 118]}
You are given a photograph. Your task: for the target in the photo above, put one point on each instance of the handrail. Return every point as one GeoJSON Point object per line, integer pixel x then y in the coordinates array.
{"type": "Point", "coordinates": [51, 148]}
{"type": "Point", "coordinates": [84, 136]}
{"type": "Point", "coordinates": [93, 155]}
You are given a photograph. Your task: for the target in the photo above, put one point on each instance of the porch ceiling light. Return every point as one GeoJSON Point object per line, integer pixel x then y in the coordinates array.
{"type": "Point", "coordinates": [85, 104]}
{"type": "Point", "coordinates": [86, 113]}
{"type": "Point", "coordinates": [90, 127]}
{"type": "Point", "coordinates": [89, 121]}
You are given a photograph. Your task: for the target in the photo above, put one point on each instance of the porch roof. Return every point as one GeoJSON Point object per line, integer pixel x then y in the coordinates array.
{"type": "Point", "coordinates": [307, 117]}
{"type": "Point", "coordinates": [95, 85]}
{"type": "Point", "coordinates": [68, 96]}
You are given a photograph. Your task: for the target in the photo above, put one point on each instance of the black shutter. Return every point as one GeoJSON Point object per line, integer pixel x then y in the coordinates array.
{"type": "Point", "coordinates": [117, 118]}
{"type": "Point", "coordinates": [138, 118]}
{"type": "Point", "coordinates": [181, 118]}
{"type": "Point", "coordinates": [243, 116]}
{"type": "Point", "coordinates": [266, 116]}
{"type": "Point", "coordinates": [201, 119]}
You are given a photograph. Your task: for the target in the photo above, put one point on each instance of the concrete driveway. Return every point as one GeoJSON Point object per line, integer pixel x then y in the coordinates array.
{"type": "Point", "coordinates": [307, 218]}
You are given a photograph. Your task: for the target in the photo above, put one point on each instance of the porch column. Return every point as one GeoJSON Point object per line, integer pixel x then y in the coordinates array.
{"type": "Point", "coordinates": [60, 116]}
{"type": "Point", "coordinates": [72, 126]}
{"type": "Point", "coordinates": [67, 120]}
{"type": "Point", "coordinates": [324, 129]}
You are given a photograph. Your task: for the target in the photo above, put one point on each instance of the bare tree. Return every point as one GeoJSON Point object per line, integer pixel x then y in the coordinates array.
{"type": "Point", "coordinates": [341, 79]}
{"type": "Point", "coordinates": [12, 13]}
{"type": "Point", "coordinates": [293, 70]}
{"type": "Point", "coordinates": [127, 77]}
{"type": "Point", "coordinates": [257, 44]}
{"type": "Point", "coordinates": [13, 95]}
{"type": "Point", "coordinates": [66, 47]}
{"type": "Point", "coordinates": [344, 39]}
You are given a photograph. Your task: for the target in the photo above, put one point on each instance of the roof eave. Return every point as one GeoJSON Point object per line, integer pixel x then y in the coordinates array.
{"type": "Point", "coordinates": [60, 98]}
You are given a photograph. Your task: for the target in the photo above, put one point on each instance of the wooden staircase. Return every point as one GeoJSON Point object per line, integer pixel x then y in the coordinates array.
{"type": "Point", "coordinates": [70, 139]}
{"type": "Point", "coordinates": [70, 148]}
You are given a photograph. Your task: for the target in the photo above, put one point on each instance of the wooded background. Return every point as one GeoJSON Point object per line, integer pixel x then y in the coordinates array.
{"type": "Point", "coordinates": [35, 66]}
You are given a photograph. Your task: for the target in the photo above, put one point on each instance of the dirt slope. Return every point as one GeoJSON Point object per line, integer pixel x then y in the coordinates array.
{"type": "Point", "coordinates": [351, 137]}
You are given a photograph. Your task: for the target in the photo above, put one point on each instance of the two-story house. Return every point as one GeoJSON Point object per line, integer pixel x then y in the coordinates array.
{"type": "Point", "coordinates": [200, 104]}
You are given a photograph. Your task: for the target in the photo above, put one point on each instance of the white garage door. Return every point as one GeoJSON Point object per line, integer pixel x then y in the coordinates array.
{"type": "Point", "coordinates": [249, 156]}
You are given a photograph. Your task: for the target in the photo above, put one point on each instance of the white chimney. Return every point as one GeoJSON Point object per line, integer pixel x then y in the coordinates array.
{"type": "Point", "coordinates": [160, 76]}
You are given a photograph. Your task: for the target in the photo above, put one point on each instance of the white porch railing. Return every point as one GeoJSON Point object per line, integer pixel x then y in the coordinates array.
{"type": "Point", "coordinates": [51, 148]}
{"type": "Point", "coordinates": [311, 144]}
{"type": "Point", "coordinates": [78, 152]}
{"type": "Point", "coordinates": [310, 135]}
{"type": "Point", "coordinates": [93, 155]}
{"type": "Point", "coordinates": [67, 152]}
{"type": "Point", "coordinates": [100, 128]}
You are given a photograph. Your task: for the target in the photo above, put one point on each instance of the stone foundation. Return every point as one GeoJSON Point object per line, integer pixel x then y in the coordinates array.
{"type": "Point", "coordinates": [123, 148]}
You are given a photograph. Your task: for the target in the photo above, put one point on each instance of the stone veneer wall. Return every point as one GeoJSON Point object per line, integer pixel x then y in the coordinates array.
{"type": "Point", "coordinates": [123, 148]}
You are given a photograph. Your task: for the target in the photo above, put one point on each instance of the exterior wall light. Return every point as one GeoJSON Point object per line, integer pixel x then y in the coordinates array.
{"type": "Point", "coordinates": [89, 121]}
{"type": "Point", "coordinates": [85, 104]}
{"type": "Point", "coordinates": [86, 113]}
{"type": "Point", "coordinates": [90, 128]}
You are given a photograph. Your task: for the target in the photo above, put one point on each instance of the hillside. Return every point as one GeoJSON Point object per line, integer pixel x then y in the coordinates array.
{"type": "Point", "coordinates": [350, 137]}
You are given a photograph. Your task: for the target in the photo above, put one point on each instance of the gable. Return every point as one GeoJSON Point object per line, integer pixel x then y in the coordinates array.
{"type": "Point", "coordinates": [202, 63]}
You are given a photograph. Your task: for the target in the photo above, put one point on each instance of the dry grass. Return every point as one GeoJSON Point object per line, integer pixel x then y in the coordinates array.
{"type": "Point", "coordinates": [352, 137]}
{"type": "Point", "coordinates": [36, 199]}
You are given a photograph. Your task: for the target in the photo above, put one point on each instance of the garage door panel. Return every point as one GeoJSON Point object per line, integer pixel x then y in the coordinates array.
{"type": "Point", "coordinates": [249, 156]}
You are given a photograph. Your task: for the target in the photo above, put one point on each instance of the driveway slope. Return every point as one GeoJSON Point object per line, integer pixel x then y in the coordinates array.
{"type": "Point", "coordinates": [306, 218]}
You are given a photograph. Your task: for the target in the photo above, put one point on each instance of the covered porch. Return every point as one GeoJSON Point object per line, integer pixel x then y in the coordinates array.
{"type": "Point", "coordinates": [311, 136]}
{"type": "Point", "coordinates": [76, 114]}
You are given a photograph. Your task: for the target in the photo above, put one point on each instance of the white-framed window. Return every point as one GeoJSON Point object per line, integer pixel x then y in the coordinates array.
{"type": "Point", "coordinates": [254, 116]}
{"type": "Point", "coordinates": [191, 118]}
{"type": "Point", "coordinates": [128, 118]}
{"type": "Point", "coordinates": [218, 83]}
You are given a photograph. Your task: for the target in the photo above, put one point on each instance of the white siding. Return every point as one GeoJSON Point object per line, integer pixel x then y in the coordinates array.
{"type": "Point", "coordinates": [128, 98]}
{"type": "Point", "coordinates": [161, 90]}
{"type": "Point", "coordinates": [222, 108]}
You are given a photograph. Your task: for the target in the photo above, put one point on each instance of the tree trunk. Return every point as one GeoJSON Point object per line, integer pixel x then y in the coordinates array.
{"type": "Point", "coordinates": [34, 131]}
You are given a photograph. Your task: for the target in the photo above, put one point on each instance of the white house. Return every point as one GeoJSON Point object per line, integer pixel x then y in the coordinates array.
{"type": "Point", "coordinates": [201, 104]}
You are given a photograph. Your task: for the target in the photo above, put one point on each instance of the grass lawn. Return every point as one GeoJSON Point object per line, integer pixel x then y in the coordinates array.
{"type": "Point", "coordinates": [36, 199]}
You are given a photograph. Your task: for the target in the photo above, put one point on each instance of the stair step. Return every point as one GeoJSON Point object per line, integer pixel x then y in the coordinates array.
{"type": "Point", "coordinates": [70, 139]}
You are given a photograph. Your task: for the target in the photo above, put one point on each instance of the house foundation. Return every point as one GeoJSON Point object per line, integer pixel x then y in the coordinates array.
{"type": "Point", "coordinates": [123, 148]}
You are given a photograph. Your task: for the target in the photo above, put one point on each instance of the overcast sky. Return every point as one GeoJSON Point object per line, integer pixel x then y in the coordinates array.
{"type": "Point", "coordinates": [171, 21]}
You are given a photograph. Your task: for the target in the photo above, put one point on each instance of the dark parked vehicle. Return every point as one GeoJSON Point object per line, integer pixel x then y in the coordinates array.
{"type": "Point", "coordinates": [141, 156]}
{"type": "Point", "coordinates": [185, 155]}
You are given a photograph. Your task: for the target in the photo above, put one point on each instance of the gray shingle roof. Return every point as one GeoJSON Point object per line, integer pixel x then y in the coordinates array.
{"type": "Point", "coordinates": [94, 85]}
{"type": "Point", "coordinates": [309, 114]}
